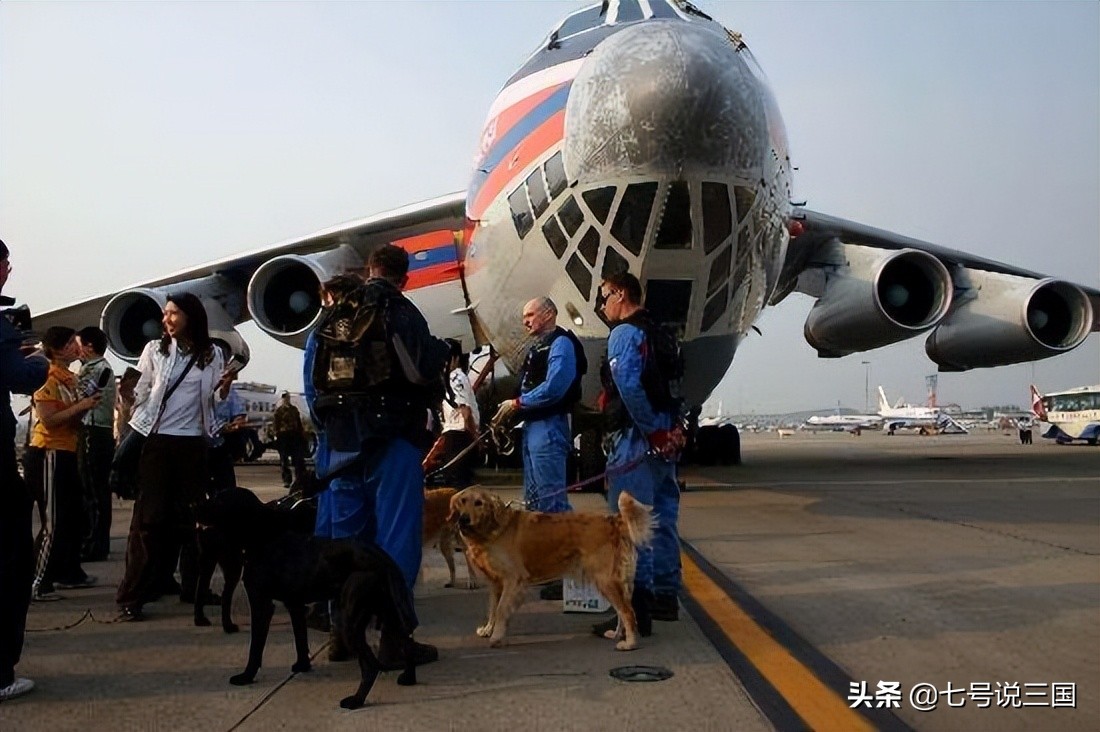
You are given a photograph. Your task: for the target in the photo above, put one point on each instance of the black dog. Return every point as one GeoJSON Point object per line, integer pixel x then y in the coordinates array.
{"type": "Point", "coordinates": [286, 565]}
{"type": "Point", "coordinates": [222, 545]}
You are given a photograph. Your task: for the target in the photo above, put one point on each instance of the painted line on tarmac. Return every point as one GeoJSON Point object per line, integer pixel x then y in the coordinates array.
{"type": "Point", "coordinates": [792, 683]}
{"type": "Point", "coordinates": [918, 481]}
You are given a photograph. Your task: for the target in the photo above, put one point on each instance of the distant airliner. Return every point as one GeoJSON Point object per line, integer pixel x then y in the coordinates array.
{"type": "Point", "coordinates": [841, 422]}
{"type": "Point", "coordinates": [929, 420]}
{"type": "Point", "coordinates": [639, 135]}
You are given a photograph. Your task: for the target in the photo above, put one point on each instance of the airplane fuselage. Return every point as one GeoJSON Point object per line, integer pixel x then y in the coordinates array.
{"type": "Point", "coordinates": [645, 139]}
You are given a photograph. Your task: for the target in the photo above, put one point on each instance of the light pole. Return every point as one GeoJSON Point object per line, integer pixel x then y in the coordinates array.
{"type": "Point", "coordinates": [866, 386]}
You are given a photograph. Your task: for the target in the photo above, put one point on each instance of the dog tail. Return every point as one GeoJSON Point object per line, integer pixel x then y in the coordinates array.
{"type": "Point", "coordinates": [638, 519]}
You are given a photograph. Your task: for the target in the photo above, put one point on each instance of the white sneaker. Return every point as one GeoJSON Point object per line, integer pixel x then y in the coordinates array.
{"type": "Point", "coordinates": [19, 687]}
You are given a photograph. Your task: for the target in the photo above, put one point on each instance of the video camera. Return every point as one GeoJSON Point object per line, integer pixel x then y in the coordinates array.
{"type": "Point", "coordinates": [19, 316]}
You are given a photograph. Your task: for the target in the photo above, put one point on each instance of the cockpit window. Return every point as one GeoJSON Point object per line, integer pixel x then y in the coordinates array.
{"type": "Point", "coordinates": [582, 20]}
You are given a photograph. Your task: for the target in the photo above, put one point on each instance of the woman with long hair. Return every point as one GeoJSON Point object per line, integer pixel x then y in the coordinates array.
{"type": "Point", "coordinates": [174, 408]}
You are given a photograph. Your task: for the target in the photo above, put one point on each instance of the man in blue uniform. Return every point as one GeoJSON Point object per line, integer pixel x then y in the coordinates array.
{"type": "Point", "coordinates": [640, 406]}
{"type": "Point", "coordinates": [371, 371]}
{"type": "Point", "coordinates": [550, 384]}
{"type": "Point", "coordinates": [22, 375]}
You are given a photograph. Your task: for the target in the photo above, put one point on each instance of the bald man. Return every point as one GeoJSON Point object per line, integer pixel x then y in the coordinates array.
{"type": "Point", "coordinates": [550, 384]}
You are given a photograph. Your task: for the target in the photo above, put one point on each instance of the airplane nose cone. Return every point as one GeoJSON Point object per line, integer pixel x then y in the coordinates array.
{"type": "Point", "coordinates": [660, 97]}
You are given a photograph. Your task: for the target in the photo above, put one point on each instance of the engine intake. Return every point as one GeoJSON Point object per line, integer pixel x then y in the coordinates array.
{"type": "Point", "coordinates": [874, 298]}
{"type": "Point", "coordinates": [132, 318]}
{"type": "Point", "coordinates": [283, 294]}
{"type": "Point", "coordinates": [1004, 319]}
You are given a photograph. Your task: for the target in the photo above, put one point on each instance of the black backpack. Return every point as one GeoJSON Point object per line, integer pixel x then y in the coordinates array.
{"type": "Point", "coordinates": [663, 373]}
{"type": "Point", "coordinates": [354, 352]}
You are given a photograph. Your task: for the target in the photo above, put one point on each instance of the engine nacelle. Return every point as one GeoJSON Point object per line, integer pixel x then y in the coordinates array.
{"type": "Point", "coordinates": [132, 318]}
{"type": "Point", "coordinates": [875, 297]}
{"type": "Point", "coordinates": [1003, 319]}
{"type": "Point", "coordinates": [283, 294]}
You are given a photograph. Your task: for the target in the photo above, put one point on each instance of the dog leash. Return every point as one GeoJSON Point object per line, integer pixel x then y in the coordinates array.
{"type": "Point", "coordinates": [462, 453]}
{"type": "Point", "coordinates": [624, 468]}
{"type": "Point", "coordinates": [88, 615]}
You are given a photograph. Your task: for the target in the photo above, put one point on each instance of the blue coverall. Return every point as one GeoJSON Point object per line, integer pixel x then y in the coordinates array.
{"type": "Point", "coordinates": [650, 479]}
{"type": "Point", "coordinates": [377, 500]}
{"type": "Point", "coordinates": [546, 441]}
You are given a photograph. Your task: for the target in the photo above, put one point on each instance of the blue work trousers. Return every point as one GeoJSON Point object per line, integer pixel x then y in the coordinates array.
{"type": "Point", "coordinates": [545, 449]}
{"type": "Point", "coordinates": [652, 481]}
{"type": "Point", "coordinates": [380, 501]}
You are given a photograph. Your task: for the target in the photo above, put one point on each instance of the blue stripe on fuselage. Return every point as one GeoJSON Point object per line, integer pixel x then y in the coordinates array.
{"type": "Point", "coordinates": [432, 257]}
{"type": "Point", "coordinates": [521, 129]}
{"type": "Point", "coordinates": [544, 111]}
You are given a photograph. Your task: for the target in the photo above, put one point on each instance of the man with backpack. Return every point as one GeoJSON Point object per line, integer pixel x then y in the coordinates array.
{"type": "Point", "coordinates": [640, 402]}
{"type": "Point", "coordinates": [550, 384]}
{"type": "Point", "coordinates": [372, 369]}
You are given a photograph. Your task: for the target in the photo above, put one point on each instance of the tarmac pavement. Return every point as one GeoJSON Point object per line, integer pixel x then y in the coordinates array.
{"type": "Point", "coordinates": [166, 674]}
{"type": "Point", "coordinates": [825, 561]}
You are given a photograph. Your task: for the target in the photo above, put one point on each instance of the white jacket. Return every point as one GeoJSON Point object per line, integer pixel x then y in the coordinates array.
{"type": "Point", "coordinates": [149, 390]}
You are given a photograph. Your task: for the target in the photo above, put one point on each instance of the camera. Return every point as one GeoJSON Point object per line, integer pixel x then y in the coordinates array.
{"type": "Point", "coordinates": [19, 316]}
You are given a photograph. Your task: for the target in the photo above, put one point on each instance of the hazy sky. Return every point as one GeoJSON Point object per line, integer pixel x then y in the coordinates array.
{"type": "Point", "coordinates": [141, 138]}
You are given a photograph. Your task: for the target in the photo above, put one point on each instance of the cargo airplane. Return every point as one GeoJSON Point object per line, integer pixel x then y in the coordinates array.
{"type": "Point", "coordinates": [639, 135]}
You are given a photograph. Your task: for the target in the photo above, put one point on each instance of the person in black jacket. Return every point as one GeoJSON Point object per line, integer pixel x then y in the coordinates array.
{"type": "Point", "coordinates": [372, 370]}
{"type": "Point", "coordinates": [21, 374]}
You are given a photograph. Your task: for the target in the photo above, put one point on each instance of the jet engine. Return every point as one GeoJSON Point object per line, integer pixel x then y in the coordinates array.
{"type": "Point", "coordinates": [1003, 319]}
{"type": "Point", "coordinates": [283, 294]}
{"type": "Point", "coordinates": [873, 297]}
{"type": "Point", "coordinates": [132, 318]}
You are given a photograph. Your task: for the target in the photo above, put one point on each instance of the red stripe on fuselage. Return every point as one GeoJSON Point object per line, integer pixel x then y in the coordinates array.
{"type": "Point", "coordinates": [434, 274]}
{"type": "Point", "coordinates": [431, 240]}
{"type": "Point", "coordinates": [541, 139]}
{"type": "Point", "coordinates": [506, 120]}
{"type": "Point", "coordinates": [437, 274]}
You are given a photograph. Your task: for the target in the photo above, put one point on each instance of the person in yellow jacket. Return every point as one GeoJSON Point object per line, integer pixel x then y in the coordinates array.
{"type": "Point", "coordinates": [52, 473]}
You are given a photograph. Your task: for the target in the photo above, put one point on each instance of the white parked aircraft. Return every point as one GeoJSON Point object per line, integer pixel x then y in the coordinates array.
{"type": "Point", "coordinates": [929, 420]}
{"type": "Point", "coordinates": [841, 422]}
{"type": "Point", "coordinates": [639, 135]}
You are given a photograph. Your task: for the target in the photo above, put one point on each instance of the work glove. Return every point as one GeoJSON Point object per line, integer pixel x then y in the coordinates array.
{"type": "Point", "coordinates": [667, 443]}
{"type": "Point", "coordinates": [506, 412]}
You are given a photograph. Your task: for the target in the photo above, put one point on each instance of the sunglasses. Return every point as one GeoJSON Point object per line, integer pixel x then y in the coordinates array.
{"type": "Point", "coordinates": [602, 297]}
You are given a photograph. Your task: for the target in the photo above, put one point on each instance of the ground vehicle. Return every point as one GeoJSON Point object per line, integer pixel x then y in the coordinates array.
{"type": "Point", "coordinates": [1073, 414]}
{"type": "Point", "coordinates": [260, 401]}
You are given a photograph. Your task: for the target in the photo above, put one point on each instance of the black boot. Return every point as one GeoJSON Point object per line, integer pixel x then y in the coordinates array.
{"type": "Point", "coordinates": [665, 606]}
{"type": "Point", "coordinates": [391, 653]}
{"type": "Point", "coordinates": [642, 602]}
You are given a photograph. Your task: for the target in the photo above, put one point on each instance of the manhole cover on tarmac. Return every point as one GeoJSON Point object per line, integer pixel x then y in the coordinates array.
{"type": "Point", "coordinates": [641, 673]}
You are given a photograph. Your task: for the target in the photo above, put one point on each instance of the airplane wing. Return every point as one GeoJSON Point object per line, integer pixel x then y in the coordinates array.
{"type": "Point", "coordinates": [875, 287]}
{"type": "Point", "coordinates": [232, 295]}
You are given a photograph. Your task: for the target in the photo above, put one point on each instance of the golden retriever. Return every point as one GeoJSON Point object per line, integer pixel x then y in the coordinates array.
{"type": "Point", "coordinates": [439, 531]}
{"type": "Point", "coordinates": [515, 548]}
